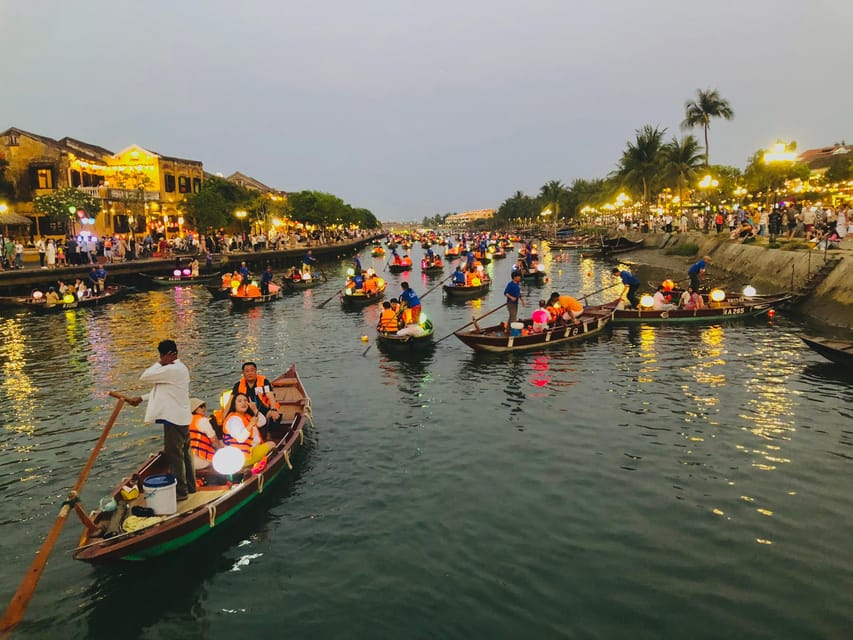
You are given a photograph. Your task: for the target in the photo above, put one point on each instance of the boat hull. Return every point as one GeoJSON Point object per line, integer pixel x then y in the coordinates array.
{"type": "Point", "coordinates": [243, 302]}
{"type": "Point", "coordinates": [358, 300]}
{"type": "Point", "coordinates": [838, 351]}
{"type": "Point", "coordinates": [399, 268]}
{"type": "Point", "coordinates": [171, 281]}
{"type": "Point", "coordinates": [208, 508]}
{"type": "Point", "coordinates": [731, 310]}
{"type": "Point", "coordinates": [114, 294]}
{"type": "Point", "coordinates": [496, 339]}
{"type": "Point", "coordinates": [462, 293]}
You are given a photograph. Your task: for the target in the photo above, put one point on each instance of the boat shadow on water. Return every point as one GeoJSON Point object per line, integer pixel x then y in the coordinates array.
{"type": "Point", "coordinates": [173, 584]}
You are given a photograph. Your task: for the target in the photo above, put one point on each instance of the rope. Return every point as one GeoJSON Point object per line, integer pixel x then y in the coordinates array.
{"type": "Point", "coordinates": [260, 483]}
{"type": "Point", "coordinates": [287, 459]}
{"type": "Point", "coordinates": [211, 515]}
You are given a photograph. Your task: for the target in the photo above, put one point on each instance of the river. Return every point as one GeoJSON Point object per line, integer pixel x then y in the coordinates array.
{"type": "Point", "coordinates": [650, 482]}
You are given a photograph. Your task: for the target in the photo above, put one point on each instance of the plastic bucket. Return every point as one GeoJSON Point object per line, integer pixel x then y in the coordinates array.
{"type": "Point", "coordinates": [515, 329]}
{"type": "Point", "coordinates": [161, 494]}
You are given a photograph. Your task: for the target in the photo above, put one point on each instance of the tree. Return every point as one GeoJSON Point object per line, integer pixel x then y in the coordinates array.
{"type": "Point", "coordinates": [770, 177]}
{"type": "Point", "coordinates": [681, 161]}
{"type": "Point", "coordinates": [214, 205]}
{"type": "Point", "coordinates": [67, 204]}
{"type": "Point", "coordinates": [708, 104]}
{"type": "Point", "coordinates": [640, 162]}
{"type": "Point", "coordinates": [840, 170]}
{"type": "Point", "coordinates": [517, 207]}
{"type": "Point", "coordinates": [551, 195]}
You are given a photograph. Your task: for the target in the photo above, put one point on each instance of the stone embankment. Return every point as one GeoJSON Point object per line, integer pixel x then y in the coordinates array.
{"type": "Point", "coordinates": [828, 302]}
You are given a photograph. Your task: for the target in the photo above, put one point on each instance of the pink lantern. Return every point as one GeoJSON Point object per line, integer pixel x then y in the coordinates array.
{"type": "Point", "coordinates": [187, 272]}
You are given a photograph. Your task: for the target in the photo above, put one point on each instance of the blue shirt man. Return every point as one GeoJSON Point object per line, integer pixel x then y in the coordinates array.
{"type": "Point", "coordinates": [470, 259]}
{"type": "Point", "coordinates": [430, 254]}
{"type": "Point", "coordinates": [308, 261]}
{"type": "Point", "coordinates": [359, 281]}
{"type": "Point", "coordinates": [459, 277]}
{"type": "Point", "coordinates": [512, 293]}
{"type": "Point", "coordinates": [412, 302]}
{"type": "Point", "coordinates": [697, 272]}
{"type": "Point", "coordinates": [357, 264]}
{"type": "Point", "coordinates": [266, 279]}
{"type": "Point", "coordinates": [631, 285]}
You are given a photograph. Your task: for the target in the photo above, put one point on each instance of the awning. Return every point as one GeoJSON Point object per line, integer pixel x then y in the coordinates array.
{"type": "Point", "coordinates": [12, 218]}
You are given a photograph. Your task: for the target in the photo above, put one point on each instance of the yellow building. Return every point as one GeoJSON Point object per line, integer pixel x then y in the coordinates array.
{"type": "Point", "coordinates": [466, 217]}
{"type": "Point", "coordinates": [138, 188]}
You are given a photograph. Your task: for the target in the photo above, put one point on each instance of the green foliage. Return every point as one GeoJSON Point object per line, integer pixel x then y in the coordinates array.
{"type": "Point", "coordinates": [681, 161]}
{"type": "Point", "coordinates": [698, 113]}
{"type": "Point", "coordinates": [316, 207]}
{"type": "Point", "coordinates": [773, 245]}
{"type": "Point", "coordinates": [516, 208]}
{"type": "Point", "coordinates": [793, 245]}
{"type": "Point", "coordinates": [57, 205]}
{"type": "Point", "coordinates": [214, 205]}
{"type": "Point", "coordinates": [840, 170]}
{"type": "Point", "coordinates": [686, 249]}
{"type": "Point", "coordinates": [641, 161]}
{"type": "Point", "coordinates": [435, 221]}
{"type": "Point", "coordinates": [771, 176]}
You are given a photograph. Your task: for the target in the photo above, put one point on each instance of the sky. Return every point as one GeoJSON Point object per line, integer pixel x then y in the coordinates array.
{"type": "Point", "coordinates": [412, 108]}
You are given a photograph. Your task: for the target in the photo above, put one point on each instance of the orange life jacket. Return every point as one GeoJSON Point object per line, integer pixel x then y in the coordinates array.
{"type": "Point", "coordinates": [388, 321]}
{"type": "Point", "coordinates": [200, 443]}
{"type": "Point", "coordinates": [260, 383]}
{"type": "Point", "coordinates": [229, 441]}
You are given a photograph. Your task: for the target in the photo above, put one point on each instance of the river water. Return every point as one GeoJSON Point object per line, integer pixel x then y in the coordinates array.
{"type": "Point", "coordinates": [651, 482]}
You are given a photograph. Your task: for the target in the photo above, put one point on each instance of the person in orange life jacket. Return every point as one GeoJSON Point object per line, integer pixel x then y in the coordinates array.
{"type": "Point", "coordinates": [169, 405]}
{"type": "Point", "coordinates": [567, 307]}
{"type": "Point", "coordinates": [370, 284]}
{"type": "Point", "coordinates": [240, 429]}
{"type": "Point", "coordinates": [396, 255]}
{"type": "Point", "coordinates": [388, 321]}
{"type": "Point", "coordinates": [258, 390]}
{"type": "Point", "coordinates": [203, 440]}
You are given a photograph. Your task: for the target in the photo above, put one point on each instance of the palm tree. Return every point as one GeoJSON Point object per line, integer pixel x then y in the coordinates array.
{"type": "Point", "coordinates": [551, 194]}
{"type": "Point", "coordinates": [682, 160]}
{"type": "Point", "coordinates": [640, 162]}
{"type": "Point", "coordinates": [708, 104]}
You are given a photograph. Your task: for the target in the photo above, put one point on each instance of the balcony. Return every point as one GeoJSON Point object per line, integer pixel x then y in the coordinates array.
{"type": "Point", "coordinates": [131, 195]}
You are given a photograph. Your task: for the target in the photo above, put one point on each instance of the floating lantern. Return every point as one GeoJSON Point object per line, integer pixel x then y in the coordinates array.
{"type": "Point", "coordinates": [364, 338]}
{"type": "Point", "coordinates": [176, 273]}
{"type": "Point", "coordinates": [228, 460]}
{"type": "Point", "coordinates": [647, 301]}
{"type": "Point", "coordinates": [749, 291]}
{"type": "Point", "coordinates": [350, 271]}
{"type": "Point", "coordinates": [771, 313]}
{"type": "Point", "coordinates": [718, 295]}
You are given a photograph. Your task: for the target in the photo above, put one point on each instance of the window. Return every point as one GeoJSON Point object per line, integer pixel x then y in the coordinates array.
{"type": "Point", "coordinates": [183, 184]}
{"type": "Point", "coordinates": [44, 179]}
{"type": "Point", "coordinates": [169, 179]}
{"type": "Point", "coordinates": [75, 178]}
{"type": "Point", "coordinates": [13, 139]}
{"type": "Point", "coordinates": [196, 185]}
{"type": "Point", "coordinates": [87, 179]}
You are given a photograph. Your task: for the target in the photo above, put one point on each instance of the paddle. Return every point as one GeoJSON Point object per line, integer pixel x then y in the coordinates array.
{"type": "Point", "coordinates": [472, 322]}
{"type": "Point", "coordinates": [328, 300]}
{"type": "Point", "coordinates": [587, 295]}
{"type": "Point", "coordinates": [15, 612]}
{"type": "Point", "coordinates": [437, 286]}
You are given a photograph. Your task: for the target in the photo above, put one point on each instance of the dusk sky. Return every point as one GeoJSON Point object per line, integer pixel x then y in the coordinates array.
{"type": "Point", "coordinates": [411, 109]}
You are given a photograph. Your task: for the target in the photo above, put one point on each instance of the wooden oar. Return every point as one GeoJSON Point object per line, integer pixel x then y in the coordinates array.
{"type": "Point", "coordinates": [328, 300]}
{"type": "Point", "coordinates": [587, 295]}
{"type": "Point", "coordinates": [15, 611]}
{"type": "Point", "coordinates": [472, 322]}
{"type": "Point", "coordinates": [437, 286]}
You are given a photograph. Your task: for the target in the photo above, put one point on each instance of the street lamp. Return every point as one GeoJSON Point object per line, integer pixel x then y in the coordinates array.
{"type": "Point", "coordinates": [241, 215]}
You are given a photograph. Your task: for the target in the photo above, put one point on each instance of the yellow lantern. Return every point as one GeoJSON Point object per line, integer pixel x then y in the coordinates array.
{"type": "Point", "coordinates": [68, 298]}
{"type": "Point", "coordinates": [718, 295]}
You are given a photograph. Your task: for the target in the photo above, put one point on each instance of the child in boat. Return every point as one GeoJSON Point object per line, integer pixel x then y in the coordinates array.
{"type": "Point", "coordinates": [541, 317]}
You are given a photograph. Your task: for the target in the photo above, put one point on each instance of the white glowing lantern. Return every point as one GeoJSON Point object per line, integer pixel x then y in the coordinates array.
{"type": "Point", "coordinates": [37, 295]}
{"type": "Point", "coordinates": [350, 272]}
{"type": "Point", "coordinates": [228, 460]}
{"type": "Point", "coordinates": [749, 291]}
{"type": "Point", "coordinates": [541, 268]}
{"type": "Point", "coordinates": [647, 301]}
{"type": "Point", "coordinates": [176, 273]}
{"type": "Point", "coordinates": [225, 400]}
{"type": "Point", "coordinates": [718, 295]}
{"type": "Point", "coordinates": [186, 272]}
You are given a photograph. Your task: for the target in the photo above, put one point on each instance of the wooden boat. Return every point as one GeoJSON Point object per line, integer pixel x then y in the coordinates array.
{"type": "Point", "coordinates": [498, 338]}
{"type": "Point", "coordinates": [498, 255]}
{"type": "Point", "coordinates": [394, 342]}
{"type": "Point", "coordinates": [218, 292]}
{"type": "Point", "coordinates": [302, 284]}
{"type": "Point", "coordinates": [177, 281]}
{"type": "Point", "coordinates": [838, 351]}
{"type": "Point", "coordinates": [451, 254]}
{"type": "Point", "coordinates": [433, 270]}
{"type": "Point", "coordinates": [357, 299]}
{"type": "Point", "coordinates": [483, 259]}
{"type": "Point", "coordinates": [612, 246]}
{"type": "Point", "coordinates": [242, 300]}
{"type": "Point", "coordinates": [465, 291]}
{"type": "Point", "coordinates": [112, 294]}
{"type": "Point", "coordinates": [399, 268]}
{"type": "Point", "coordinates": [536, 276]}
{"type": "Point", "coordinates": [109, 540]}
{"type": "Point", "coordinates": [378, 252]}
{"type": "Point", "coordinates": [732, 308]}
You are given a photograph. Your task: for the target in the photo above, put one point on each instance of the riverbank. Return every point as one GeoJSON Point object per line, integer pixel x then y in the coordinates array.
{"type": "Point", "coordinates": [775, 270]}
{"type": "Point", "coordinates": [21, 281]}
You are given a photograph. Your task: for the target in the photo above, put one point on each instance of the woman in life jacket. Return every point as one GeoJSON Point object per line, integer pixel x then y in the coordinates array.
{"type": "Point", "coordinates": [240, 429]}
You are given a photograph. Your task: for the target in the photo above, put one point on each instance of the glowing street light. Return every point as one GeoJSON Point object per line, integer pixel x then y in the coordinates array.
{"type": "Point", "coordinates": [708, 182]}
{"type": "Point", "coordinates": [779, 153]}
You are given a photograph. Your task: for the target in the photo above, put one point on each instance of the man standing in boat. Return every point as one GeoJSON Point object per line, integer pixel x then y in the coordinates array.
{"type": "Point", "coordinates": [266, 280]}
{"type": "Point", "coordinates": [512, 293]}
{"type": "Point", "coordinates": [412, 302]}
{"type": "Point", "coordinates": [697, 272]}
{"type": "Point", "coordinates": [631, 285]}
{"type": "Point", "coordinates": [308, 262]}
{"type": "Point", "coordinates": [169, 405]}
